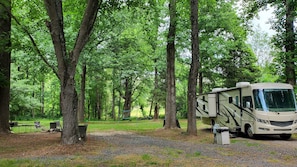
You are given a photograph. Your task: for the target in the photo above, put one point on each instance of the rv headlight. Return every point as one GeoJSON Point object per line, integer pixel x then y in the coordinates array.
{"type": "Point", "coordinates": [263, 121]}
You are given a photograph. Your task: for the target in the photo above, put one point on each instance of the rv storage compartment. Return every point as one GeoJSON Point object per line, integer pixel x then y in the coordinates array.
{"type": "Point", "coordinates": [212, 105]}
{"type": "Point", "coordinates": [222, 135]}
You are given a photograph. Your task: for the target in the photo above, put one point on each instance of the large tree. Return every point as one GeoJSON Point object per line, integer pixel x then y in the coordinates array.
{"type": "Point", "coordinates": [193, 74]}
{"type": "Point", "coordinates": [170, 110]}
{"type": "Point", "coordinates": [67, 61]}
{"type": "Point", "coordinates": [5, 54]}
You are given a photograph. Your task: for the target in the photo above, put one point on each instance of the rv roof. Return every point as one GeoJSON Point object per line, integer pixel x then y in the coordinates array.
{"type": "Point", "coordinates": [242, 84]}
{"type": "Point", "coordinates": [255, 86]}
{"type": "Point", "coordinates": [271, 86]}
{"type": "Point", "coordinates": [218, 89]}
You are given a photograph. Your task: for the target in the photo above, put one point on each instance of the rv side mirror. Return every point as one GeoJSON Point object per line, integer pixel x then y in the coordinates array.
{"type": "Point", "coordinates": [247, 104]}
{"type": "Point", "coordinates": [203, 107]}
{"type": "Point", "coordinates": [230, 100]}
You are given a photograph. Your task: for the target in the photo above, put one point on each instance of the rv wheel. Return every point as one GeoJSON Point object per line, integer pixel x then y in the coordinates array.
{"type": "Point", "coordinates": [285, 136]}
{"type": "Point", "coordinates": [249, 131]}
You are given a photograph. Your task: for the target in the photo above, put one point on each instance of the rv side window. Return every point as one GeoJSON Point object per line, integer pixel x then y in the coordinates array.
{"type": "Point", "coordinates": [230, 100]}
{"type": "Point", "coordinates": [237, 101]}
{"type": "Point", "coordinates": [247, 102]}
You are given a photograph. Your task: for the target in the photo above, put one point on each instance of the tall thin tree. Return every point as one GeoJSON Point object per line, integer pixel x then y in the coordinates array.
{"type": "Point", "coordinates": [170, 110]}
{"type": "Point", "coordinates": [5, 56]}
{"type": "Point", "coordinates": [193, 74]}
{"type": "Point", "coordinates": [290, 42]}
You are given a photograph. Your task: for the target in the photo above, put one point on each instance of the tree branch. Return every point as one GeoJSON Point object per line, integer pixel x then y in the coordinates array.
{"type": "Point", "coordinates": [33, 42]}
{"type": "Point", "coordinates": [56, 28]}
{"type": "Point", "coordinates": [85, 28]}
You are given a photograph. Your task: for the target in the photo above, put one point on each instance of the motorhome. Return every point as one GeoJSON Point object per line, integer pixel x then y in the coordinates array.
{"type": "Point", "coordinates": [259, 108]}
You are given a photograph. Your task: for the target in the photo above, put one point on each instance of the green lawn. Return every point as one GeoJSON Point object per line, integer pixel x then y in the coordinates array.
{"type": "Point", "coordinates": [93, 126]}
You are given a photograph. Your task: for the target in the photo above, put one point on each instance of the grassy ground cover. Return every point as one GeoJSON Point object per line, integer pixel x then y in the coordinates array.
{"type": "Point", "coordinates": [93, 126]}
{"type": "Point", "coordinates": [29, 146]}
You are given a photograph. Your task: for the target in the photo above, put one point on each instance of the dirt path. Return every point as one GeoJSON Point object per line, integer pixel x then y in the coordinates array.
{"type": "Point", "coordinates": [241, 151]}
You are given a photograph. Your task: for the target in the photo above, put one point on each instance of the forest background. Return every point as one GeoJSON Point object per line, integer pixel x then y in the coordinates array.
{"type": "Point", "coordinates": [123, 66]}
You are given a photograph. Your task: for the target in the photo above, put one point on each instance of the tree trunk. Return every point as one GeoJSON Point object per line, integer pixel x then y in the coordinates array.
{"type": "Point", "coordinates": [200, 83]}
{"type": "Point", "coordinates": [67, 62]}
{"type": "Point", "coordinates": [89, 108]}
{"type": "Point", "coordinates": [69, 102]}
{"type": "Point", "coordinates": [156, 111]}
{"type": "Point", "coordinates": [95, 110]}
{"type": "Point", "coordinates": [99, 105]}
{"type": "Point", "coordinates": [151, 107]}
{"type": "Point", "coordinates": [290, 44]}
{"type": "Point", "coordinates": [119, 104]}
{"type": "Point", "coordinates": [127, 97]}
{"type": "Point", "coordinates": [170, 110]}
{"type": "Point", "coordinates": [113, 102]}
{"type": "Point", "coordinates": [193, 74]}
{"type": "Point", "coordinates": [33, 109]}
{"type": "Point", "coordinates": [42, 98]}
{"type": "Point", "coordinates": [81, 105]}
{"type": "Point", "coordinates": [113, 97]}
{"type": "Point", "coordinates": [5, 57]}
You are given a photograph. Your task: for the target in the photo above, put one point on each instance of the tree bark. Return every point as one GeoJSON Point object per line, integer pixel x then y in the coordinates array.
{"type": "Point", "coordinates": [5, 58]}
{"type": "Point", "coordinates": [98, 105]}
{"type": "Point", "coordinates": [113, 100]}
{"type": "Point", "coordinates": [290, 43]}
{"type": "Point", "coordinates": [81, 104]}
{"type": "Point", "coordinates": [200, 76]}
{"type": "Point", "coordinates": [67, 62]}
{"type": "Point", "coordinates": [154, 100]}
{"type": "Point", "coordinates": [127, 97]}
{"type": "Point", "coordinates": [170, 110]}
{"type": "Point", "coordinates": [193, 74]}
{"type": "Point", "coordinates": [156, 111]}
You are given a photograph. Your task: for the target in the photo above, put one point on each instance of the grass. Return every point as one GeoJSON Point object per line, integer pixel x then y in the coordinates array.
{"type": "Point", "coordinates": [29, 126]}
{"type": "Point", "coordinates": [95, 126]}
{"type": "Point", "coordinates": [134, 125]}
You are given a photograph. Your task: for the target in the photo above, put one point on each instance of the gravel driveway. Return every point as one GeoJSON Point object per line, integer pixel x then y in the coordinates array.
{"type": "Point", "coordinates": [266, 151]}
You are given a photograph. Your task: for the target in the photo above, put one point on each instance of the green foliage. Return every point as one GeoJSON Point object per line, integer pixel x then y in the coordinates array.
{"type": "Point", "coordinates": [269, 74]}
{"type": "Point", "coordinates": [224, 55]}
{"type": "Point", "coordinates": [284, 40]}
{"type": "Point", "coordinates": [22, 98]}
{"type": "Point", "coordinates": [128, 41]}
{"type": "Point", "coordinates": [52, 97]}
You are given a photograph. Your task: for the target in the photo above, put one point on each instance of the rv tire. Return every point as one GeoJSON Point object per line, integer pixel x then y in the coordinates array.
{"type": "Point", "coordinates": [249, 131]}
{"type": "Point", "coordinates": [285, 136]}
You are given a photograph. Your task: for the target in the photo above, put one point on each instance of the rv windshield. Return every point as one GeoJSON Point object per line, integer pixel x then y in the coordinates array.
{"type": "Point", "coordinates": [278, 100]}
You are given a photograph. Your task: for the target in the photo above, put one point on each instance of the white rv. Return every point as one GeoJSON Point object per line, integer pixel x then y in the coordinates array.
{"type": "Point", "coordinates": [260, 108]}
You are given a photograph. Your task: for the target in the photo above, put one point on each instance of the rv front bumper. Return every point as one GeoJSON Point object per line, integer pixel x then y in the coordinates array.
{"type": "Point", "coordinates": [263, 128]}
